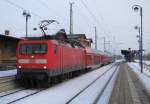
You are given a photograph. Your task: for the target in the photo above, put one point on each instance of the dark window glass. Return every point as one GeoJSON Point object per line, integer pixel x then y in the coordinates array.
{"type": "Point", "coordinates": [33, 48]}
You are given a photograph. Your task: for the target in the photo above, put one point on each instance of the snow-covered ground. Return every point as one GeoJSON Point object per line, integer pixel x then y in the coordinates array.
{"type": "Point", "coordinates": [62, 92]}
{"type": "Point", "coordinates": [8, 73]}
{"type": "Point", "coordinates": [147, 62]}
{"type": "Point", "coordinates": [88, 97]}
{"type": "Point", "coordinates": [107, 93]}
{"type": "Point", "coordinates": [144, 61]}
{"type": "Point", "coordinates": [17, 95]}
{"type": "Point", "coordinates": [120, 60]}
{"type": "Point", "coordinates": [144, 77]}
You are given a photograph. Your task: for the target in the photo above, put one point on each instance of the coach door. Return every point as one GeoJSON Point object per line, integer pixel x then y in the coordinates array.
{"type": "Point", "coordinates": [61, 58]}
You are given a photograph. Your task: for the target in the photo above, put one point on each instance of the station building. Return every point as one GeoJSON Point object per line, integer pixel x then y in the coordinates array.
{"type": "Point", "coordinates": [8, 45]}
{"type": "Point", "coordinates": [81, 38]}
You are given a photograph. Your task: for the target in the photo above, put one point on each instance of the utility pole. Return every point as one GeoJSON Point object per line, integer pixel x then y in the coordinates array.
{"type": "Point", "coordinates": [71, 18]}
{"type": "Point", "coordinates": [27, 16]}
{"type": "Point", "coordinates": [95, 37]}
{"type": "Point", "coordinates": [141, 14]}
{"type": "Point", "coordinates": [139, 41]}
{"type": "Point", "coordinates": [104, 44]}
{"type": "Point", "coordinates": [140, 9]}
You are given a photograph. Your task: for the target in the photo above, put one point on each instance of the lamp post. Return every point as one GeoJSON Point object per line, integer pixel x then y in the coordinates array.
{"type": "Point", "coordinates": [139, 40]}
{"type": "Point", "coordinates": [27, 15]}
{"type": "Point", "coordinates": [139, 8]}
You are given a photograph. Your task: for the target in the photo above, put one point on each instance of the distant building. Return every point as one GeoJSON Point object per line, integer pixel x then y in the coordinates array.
{"type": "Point", "coordinates": [8, 45]}
{"type": "Point", "coordinates": [81, 38]}
{"type": "Point", "coordinates": [129, 55]}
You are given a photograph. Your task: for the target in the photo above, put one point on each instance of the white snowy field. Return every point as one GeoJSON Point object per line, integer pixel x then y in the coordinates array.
{"type": "Point", "coordinates": [62, 92]}
{"type": "Point", "coordinates": [144, 61]}
{"type": "Point", "coordinates": [144, 77]}
{"type": "Point", "coordinates": [120, 60]}
{"type": "Point", "coordinates": [8, 73]}
{"type": "Point", "coordinates": [147, 62]}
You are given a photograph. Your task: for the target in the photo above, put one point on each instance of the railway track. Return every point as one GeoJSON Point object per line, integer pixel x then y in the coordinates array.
{"type": "Point", "coordinates": [17, 95]}
{"type": "Point", "coordinates": [7, 83]}
{"type": "Point", "coordinates": [6, 93]}
{"type": "Point", "coordinates": [6, 67]}
{"type": "Point", "coordinates": [22, 93]}
{"type": "Point", "coordinates": [6, 79]}
{"type": "Point", "coordinates": [80, 93]}
{"type": "Point", "coordinates": [9, 88]}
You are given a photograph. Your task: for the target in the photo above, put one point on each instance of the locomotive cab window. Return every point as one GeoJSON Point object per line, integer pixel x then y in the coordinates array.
{"type": "Point", "coordinates": [33, 48]}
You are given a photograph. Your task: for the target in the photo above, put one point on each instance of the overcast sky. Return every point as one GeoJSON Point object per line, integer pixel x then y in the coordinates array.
{"type": "Point", "coordinates": [114, 19]}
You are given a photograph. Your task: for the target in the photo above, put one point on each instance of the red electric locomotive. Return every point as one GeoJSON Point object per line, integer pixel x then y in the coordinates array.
{"type": "Point", "coordinates": [40, 59]}
{"type": "Point", "coordinates": [46, 57]}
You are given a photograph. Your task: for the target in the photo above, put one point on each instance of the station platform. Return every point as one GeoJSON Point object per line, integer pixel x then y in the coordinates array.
{"type": "Point", "coordinates": [128, 89]}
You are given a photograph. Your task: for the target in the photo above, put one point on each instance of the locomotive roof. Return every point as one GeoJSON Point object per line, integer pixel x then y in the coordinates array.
{"type": "Point", "coordinates": [72, 36]}
{"type": "Point", "coordinates": [47, 37]}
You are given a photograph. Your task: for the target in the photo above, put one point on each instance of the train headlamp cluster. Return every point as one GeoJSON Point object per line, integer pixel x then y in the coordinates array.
{"type": "Point", "coordinates": [40, 61]}
{"type": "Point", "coordinates": [23, 61]}
{"type": "Point", "coordinates": [36, 61]}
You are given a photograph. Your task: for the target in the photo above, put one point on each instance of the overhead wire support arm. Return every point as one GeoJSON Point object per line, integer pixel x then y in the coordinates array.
{"type": "Point", "coordinates": [45, 23]}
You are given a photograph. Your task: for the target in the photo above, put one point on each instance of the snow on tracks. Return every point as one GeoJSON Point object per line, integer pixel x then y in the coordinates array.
{"type": "Point", "coordinates": [63, 92]}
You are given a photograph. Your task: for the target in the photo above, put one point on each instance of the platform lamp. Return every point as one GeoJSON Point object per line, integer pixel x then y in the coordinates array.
{"type": "Point", "coordinates": [137, 8]}
{"type": "Point", "coordinates": [27, 15]}
{"type": "Point", "coordinates": [139, 41]}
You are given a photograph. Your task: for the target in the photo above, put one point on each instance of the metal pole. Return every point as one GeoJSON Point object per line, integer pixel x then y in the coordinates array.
{"type": "Point", "coordinates": [109, 46]}
{"type": "Point", "coordinates": [27, 16]}
{"type": "Point", "coordinates": [136, 8]}
{"type": "Point", "coordinates": [141, 14]}
{"type": "Point", "coordinates": [95, 37]}
{"type": "Point", "coordinates": [139, 36]}
{"type": "Point", "coordinates": [71, 19]}
{"type": "Point", "coordinates": [26, 26]}
{"type": "Point", "coordinates": [104, 44]}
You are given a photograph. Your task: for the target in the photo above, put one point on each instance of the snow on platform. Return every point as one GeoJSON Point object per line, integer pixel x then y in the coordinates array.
{"type": "Point", "coordinates": [8, 73]}
{"type": "Point", "coordinates": [144, 77]}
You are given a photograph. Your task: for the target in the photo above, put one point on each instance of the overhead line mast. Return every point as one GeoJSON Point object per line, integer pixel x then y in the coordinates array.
{"type": "Point", "coordinates": [71, 18]}
{"type": "Point", "coordinates": [95, 37]}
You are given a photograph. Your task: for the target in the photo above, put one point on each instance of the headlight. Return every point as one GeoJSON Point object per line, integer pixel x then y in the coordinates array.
{"type": "Point", "coordinates": [45, 67]}
{"type": "Point", "coordinates": [23, 61]}
{"type": "Point", "coordinates": [19, 67]}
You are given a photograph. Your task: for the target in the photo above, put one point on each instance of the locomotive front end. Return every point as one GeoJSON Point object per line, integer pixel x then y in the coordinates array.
{"type": "Point", "coordinates": [32, 61]}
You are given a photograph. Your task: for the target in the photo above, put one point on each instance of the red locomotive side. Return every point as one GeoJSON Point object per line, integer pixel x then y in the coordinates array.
{"type": "Point", "coordinates": [42, 59]}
